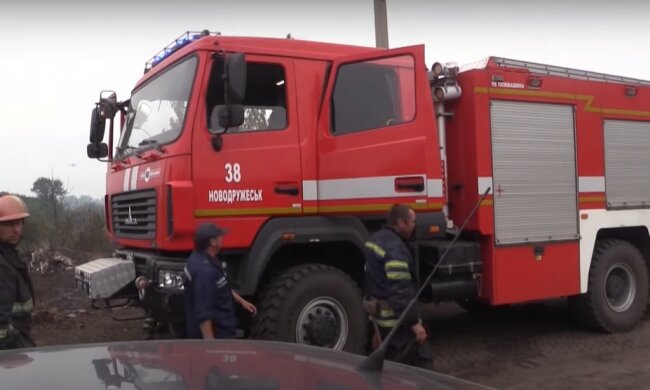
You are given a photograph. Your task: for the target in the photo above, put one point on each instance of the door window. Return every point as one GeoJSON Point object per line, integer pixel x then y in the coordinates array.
{"type": "Point", "coordinates": [265, 105]}
{"type": "Point", "coordinates": [373, 94]}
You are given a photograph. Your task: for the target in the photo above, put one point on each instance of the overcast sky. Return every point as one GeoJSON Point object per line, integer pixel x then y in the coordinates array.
{"type": "Point", "coordinates": [58, 55]}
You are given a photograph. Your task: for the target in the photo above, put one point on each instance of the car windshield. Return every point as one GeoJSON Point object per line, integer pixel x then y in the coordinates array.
{"type": "Point", "coordinates": [156, 112]}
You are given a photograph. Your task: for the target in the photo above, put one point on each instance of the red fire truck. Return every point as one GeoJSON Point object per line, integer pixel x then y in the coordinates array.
{"type": "Point", "coordinates": [299, 148]}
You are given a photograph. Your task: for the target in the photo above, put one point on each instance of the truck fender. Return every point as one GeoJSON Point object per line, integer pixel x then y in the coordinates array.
{"type": "Point", "coordinates": [307, 230]}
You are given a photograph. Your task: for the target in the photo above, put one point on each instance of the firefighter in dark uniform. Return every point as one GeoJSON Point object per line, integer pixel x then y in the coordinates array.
{"type": "Point", "coordinates": [16, 290]}
{"type": "Point", "coordinates": [391, 284]}
{"type": "Point", "coordinates": [209, 301]}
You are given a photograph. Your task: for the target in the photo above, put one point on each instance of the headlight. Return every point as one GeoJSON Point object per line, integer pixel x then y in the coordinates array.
{"type": "Point", "coordinates": [170, 279]}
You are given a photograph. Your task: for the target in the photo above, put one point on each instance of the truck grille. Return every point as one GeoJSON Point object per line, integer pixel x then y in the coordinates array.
{"type": "Point", "coordinates": [134, 214]}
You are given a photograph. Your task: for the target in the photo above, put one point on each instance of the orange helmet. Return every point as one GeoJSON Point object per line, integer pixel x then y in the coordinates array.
{"type": "Point", "coordinates": [12, 208]}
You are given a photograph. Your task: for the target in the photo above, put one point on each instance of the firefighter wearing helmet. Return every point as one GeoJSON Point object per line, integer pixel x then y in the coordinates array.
{"type": "Point", "coordinates": [16, 290]}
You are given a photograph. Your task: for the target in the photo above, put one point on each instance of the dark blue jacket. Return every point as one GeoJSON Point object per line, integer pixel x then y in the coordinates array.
{"type": "Point", "coordinates": [390, 276]}
{"type": "Point", "coordinates": [208, 297]}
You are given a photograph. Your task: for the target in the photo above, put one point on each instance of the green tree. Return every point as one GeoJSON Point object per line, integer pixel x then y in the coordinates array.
{"type": "Point", "coordinates": [51, 192]}
{"type": "Point", "coordinates": [49, 189]}
{"type": "Point", "coordinates": [37, 226]}
{"type": "Point", "coordinates": [74, 226]}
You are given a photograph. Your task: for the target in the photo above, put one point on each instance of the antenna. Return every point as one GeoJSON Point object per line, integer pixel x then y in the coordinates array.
{"type": "Point", "coordinates": [375, 361]}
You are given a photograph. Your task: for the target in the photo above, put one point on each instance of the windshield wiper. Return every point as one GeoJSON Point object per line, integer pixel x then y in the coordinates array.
{"type": "Point", "coordinates": [122, 152]}
{"type": "Point", "coordinates": [153, 143]}
{"type": "Point", "coordinates": [124, 149]}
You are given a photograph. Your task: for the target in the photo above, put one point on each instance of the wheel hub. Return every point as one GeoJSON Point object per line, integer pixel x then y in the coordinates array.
{"type": "Point", "coordinates": [615, 286]}
{"type": "Point", "coordinates": [322, 330]}
{"type": "Point", "coordinates": [620, 287]}
{"type": "Point", "coordinates": [322, 322]}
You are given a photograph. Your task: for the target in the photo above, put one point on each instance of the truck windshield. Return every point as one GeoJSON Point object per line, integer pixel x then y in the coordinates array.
{"type": "Point", "coordinates": [156, 111]}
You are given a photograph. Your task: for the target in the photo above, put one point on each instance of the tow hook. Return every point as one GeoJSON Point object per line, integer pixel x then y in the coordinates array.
{"type": "Point", "coordinates": [141, 284]}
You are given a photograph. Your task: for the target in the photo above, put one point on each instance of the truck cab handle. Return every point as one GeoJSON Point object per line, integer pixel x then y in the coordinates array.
{"type": "Point", "coordinates": [411, 183]}
{"type": "Point", "coordinates": [287, 189]}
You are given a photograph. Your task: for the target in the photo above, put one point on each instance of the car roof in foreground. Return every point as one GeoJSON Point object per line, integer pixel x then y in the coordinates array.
{"type": "Point", "coordinates": [201, 364]}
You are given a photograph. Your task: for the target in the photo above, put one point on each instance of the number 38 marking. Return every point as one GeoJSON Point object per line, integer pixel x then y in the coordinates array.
{"type": "Point", "coordinates": [229, 358]}
{"type": "Point", "coordinates": [233, 173]}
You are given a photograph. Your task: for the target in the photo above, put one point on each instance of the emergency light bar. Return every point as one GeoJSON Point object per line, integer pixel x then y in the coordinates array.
{"type": "Point", "coordinates": [178, 43]}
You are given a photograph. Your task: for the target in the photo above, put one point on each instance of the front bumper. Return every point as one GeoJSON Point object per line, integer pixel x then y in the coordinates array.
{"type": "Point", "coordinates": [113, 278]}
{"type": "Point", "coordinates": [164, 305]}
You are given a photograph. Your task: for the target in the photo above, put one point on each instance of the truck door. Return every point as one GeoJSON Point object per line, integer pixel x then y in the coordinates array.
{"type": "Point", "coordinates": [377, 136]}
{"type": "Point", "coordinates": [257, 171]}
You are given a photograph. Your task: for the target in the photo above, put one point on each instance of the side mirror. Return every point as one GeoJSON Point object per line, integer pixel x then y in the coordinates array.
{"type": "Point", "coordinates": [222, 118]}
{"type": "Point", "coordinates": [235, 78]}
{"type": "Point", "coordinates": [98, 150]}
{"type": "Point", "coordinates": [225, 117]}
{"type": "Point", "coordinates": [97, 126]}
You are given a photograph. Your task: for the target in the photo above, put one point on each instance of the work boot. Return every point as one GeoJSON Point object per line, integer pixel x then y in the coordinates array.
{"type": "Point", "coordinates": [148, 328]}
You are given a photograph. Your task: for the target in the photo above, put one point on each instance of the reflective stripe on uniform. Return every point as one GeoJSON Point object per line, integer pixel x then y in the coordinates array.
{"type": "Point", "coordinates": [397, 270]}
{"type": "Point", "coordinates": [387, 318]}
{"type": "Point", "coordinates": [387, 323]}
{"type": "Point", "coordinates": [3, 333]}
{"type": "Point", "coordinates": [24, 307]}
{"type": "Point", "coordinates": [376, 248]}
{"type": "Point", "coordinates": [396, 265]}
{"type": "Point", "coordinates": [398, 275]}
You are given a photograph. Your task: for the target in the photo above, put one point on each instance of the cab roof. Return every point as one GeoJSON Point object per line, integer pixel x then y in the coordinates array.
{"type": "Point", "coordinates": [289, 47]}
{"type": "Point", "coordinates": [286, 47]}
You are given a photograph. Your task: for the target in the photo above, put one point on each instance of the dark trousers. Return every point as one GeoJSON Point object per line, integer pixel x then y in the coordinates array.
{"type": "Point", "coordinates": [17, 339]}
{"type": "Point", "coordinates": [404, 349]}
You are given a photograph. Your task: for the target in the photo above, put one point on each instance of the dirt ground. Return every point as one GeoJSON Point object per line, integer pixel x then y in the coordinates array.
{"type": "Point", "coordinates": [526, 347]}
{"type": "Point", "coordinates": [537, 347]}
{"type": "Point", "coordinates": [63, 315]}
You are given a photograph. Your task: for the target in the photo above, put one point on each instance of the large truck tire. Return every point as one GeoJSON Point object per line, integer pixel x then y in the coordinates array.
{"type": "Point", "coordinates": [617, 294]}
{"type": "Point", "coordinates": [313, 304]}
